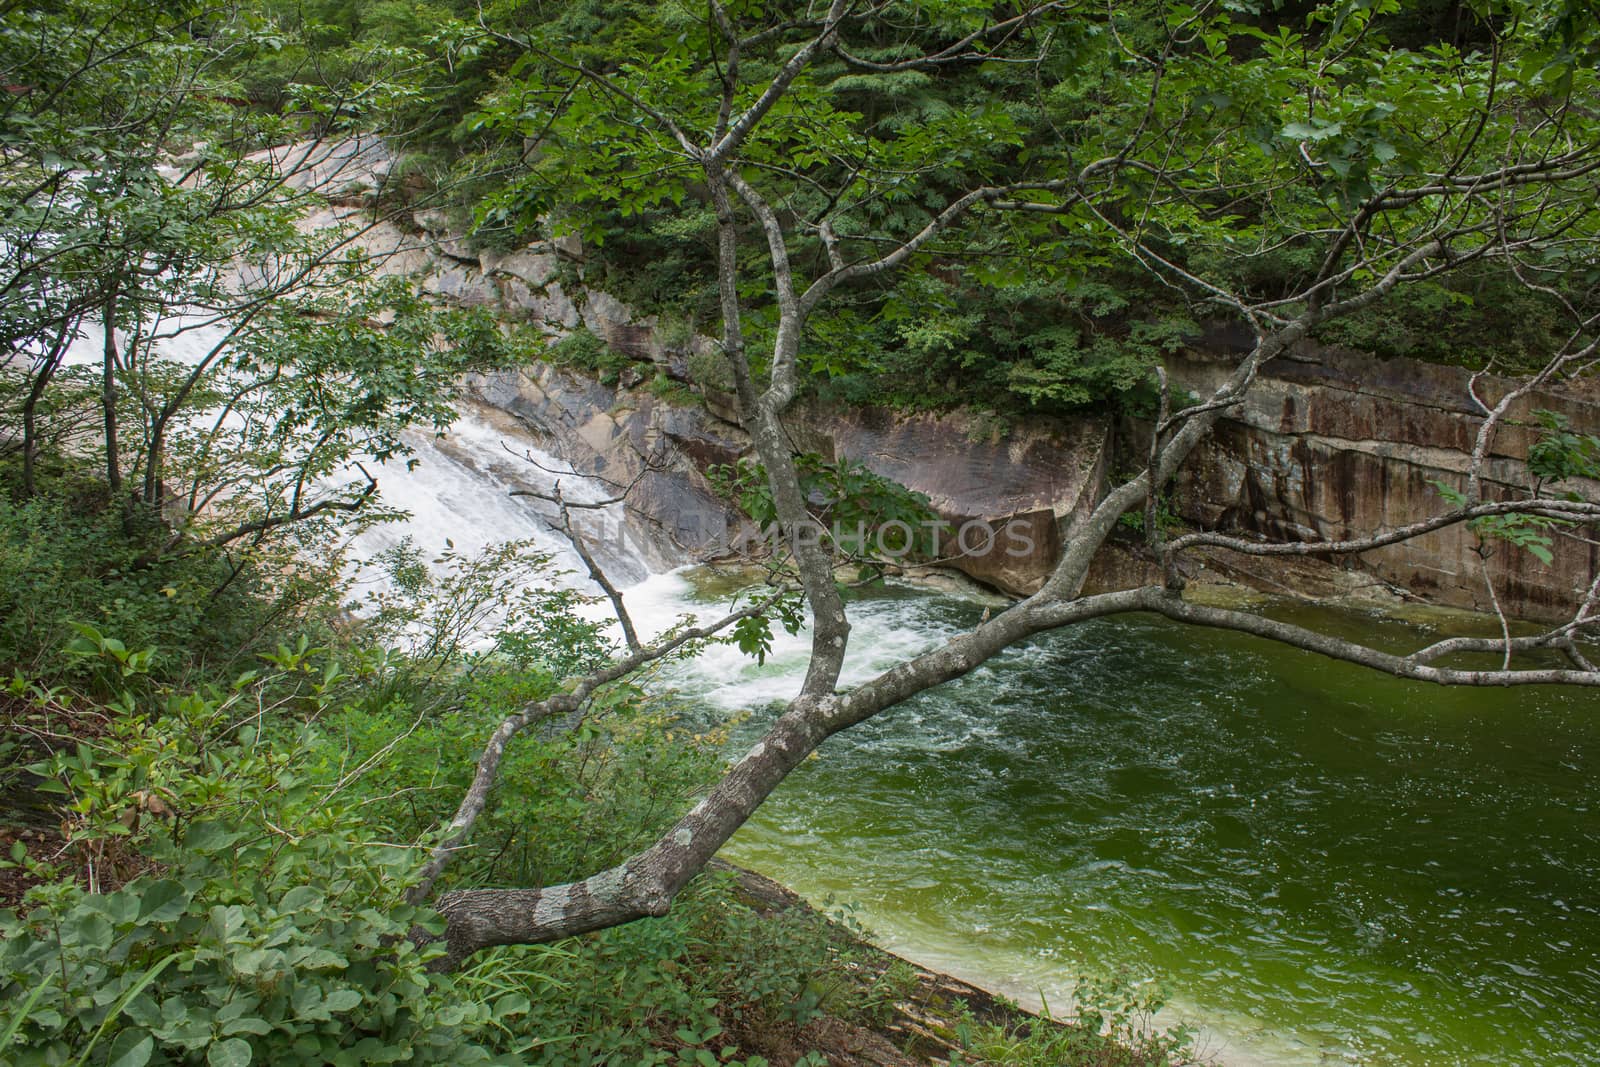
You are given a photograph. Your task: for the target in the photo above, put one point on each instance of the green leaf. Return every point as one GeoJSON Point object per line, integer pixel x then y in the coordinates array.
{"type": "Point", "coordinates": [1311, 131]}
{"type": "Point", "coordinates": [341, 1000]}
{"type": "Point", "coordinates": [210, 837]}
{"type": "Point", "coordinates": [302, 898]}
{"type": "Point", "coordinates": [247, 1025]}
{"type": "Point", "coordinates": [131, 1049]}
{"type": "Point", "coordinates": [234, 1052]}
{"type": "Point", "coordinates": [163, 902]}
{"type": "Point", "coordinates": [512, 1004]}
{"type": "Point", "coordinates": [88, 930]}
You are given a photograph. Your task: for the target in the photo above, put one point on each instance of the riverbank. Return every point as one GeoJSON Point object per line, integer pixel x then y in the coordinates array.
{"type": "Point", "coordinates": [918, 1015]}
{"type": "Point", "coordinates": [872, 1008]}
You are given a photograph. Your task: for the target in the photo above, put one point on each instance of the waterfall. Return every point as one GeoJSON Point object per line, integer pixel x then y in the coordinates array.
{"type": "Point", "coordinates": [458, 489]}
{"type": "Point", "coordinates": [455, 488]}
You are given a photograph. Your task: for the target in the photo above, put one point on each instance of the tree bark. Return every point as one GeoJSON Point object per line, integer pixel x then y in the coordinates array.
{"type": "Point", "coordinates": [108, 396]}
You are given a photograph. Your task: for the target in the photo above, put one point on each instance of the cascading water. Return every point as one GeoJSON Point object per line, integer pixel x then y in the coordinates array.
{"type": "Point", "coordinates": [458, 492]}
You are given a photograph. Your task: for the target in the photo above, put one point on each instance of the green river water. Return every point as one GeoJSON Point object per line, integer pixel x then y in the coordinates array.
{"type": "Point", "coordinates": [1318, 863]}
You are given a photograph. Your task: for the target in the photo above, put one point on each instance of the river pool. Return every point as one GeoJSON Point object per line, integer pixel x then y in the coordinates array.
{"type": "Point", "coordinates": [1318, 863]}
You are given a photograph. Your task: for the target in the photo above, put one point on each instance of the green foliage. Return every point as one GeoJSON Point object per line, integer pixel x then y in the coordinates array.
{"type": "Point", "coordinates": [1049, 345]}
{"type": "Point", "coordinates": [268, 926]}
{"type": "Point", "coordinates": [1483, 317]}
{"type": "Point", "coordinates": [752, 635]}
{"type": "Point", "coordinates": [1557, 454]}
{"type": "Point", "coordinates": [249, 911]}
{"type": "Point", "coordinates": [711, 369]}
{"type": "Point", "coordinates": [861, 511]}
{"type": "Point", "coordinates": [1167, 517]}
{"type": "Point", "coordinates": [1272, 126]}
{"type": "Point", "coordinates": [1561, 453]}
{"type": "Point", "coordinates": [436, 609]}
{"type": "Point", "coordinates": [261, 916]}
{"type": "Point", "coordinates": [1113, 1026]}
{"type": "Point", "coordinates": [66, 561]}
{"type": "Point", "coordinates": [665, 388]}
{"type": "Point", "coordinates": [1521, 530]}
{"type": "Point", "coordinates": [249, 844]}
{"type": "Point", "coordinates": [1526, 532]}
{"type": "Point", "coordinates": [585, 350]}
{"type": "Point", "coordinates": [575, 796]}
{"type": "Point", "coordinates": [238, 363]}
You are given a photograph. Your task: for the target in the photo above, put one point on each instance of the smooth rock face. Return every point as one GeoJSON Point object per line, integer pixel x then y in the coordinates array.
{"type": "Point", "coordinates": [1016, 497]}
{"type": "Point", "coordinates": [350, 171]}
{"type": "Point", "coordinates": [1333, 444]}
{"type": "Point", "coordinates": [1019, 495]}
{"type": "Point", "coordinates": [636, 443]}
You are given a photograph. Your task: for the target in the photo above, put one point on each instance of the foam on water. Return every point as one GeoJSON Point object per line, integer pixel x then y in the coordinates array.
{"type": "Point", "coordinates": [883, 633]}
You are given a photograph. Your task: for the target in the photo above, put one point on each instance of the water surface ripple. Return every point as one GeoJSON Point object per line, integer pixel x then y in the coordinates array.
{"type": "Point", "coordinates": [1322, 864]}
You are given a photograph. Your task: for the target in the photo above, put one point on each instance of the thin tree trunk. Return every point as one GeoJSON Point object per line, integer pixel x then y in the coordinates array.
{"type": "Point", "coordinates": [30, 406]}
{"type": "Point", "coordinates": [108, 397]}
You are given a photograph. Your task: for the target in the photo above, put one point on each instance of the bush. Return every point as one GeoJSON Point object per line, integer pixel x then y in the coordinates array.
{"type": "Point", "coordinates": [712, 982]}
{"type": "Point", "coordinates": [66, 558]}
{"type": "Point", "coordinates": [584, 350]}
{"type": "Point", "coordinates": [232, 886]}
{"type": "Point", "coordinates": [267, 924]}
{"type": "Point", "coordinates": [1114, 1027]}
{"type": "Point", "coordinates": [250, 851]}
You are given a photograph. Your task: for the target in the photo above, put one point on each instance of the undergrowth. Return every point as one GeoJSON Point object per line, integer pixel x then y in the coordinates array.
{"type": "Point", "coordinates": [220, 843]}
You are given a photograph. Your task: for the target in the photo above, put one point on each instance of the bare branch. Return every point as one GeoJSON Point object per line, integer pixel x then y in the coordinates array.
{"type": "Point", "coordinates": [1562, 510]}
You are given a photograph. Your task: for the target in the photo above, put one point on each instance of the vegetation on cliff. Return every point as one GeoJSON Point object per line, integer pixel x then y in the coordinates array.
{"type": "Point", "coordinates": [1307, 108]}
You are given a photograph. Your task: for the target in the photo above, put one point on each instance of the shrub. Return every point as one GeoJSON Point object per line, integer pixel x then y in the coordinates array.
{"type": "Point", "coordinates": [266, 926]}
{"type": "Point", "coordinates": [584, 350]}
{"type": "Point", "coordinates": [66, 559]}
{"type": "Point", "coordinates": [1114, 1027]}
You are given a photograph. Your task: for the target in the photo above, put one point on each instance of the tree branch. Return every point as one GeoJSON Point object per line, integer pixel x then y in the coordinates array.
{"type": "Point", "coordinates": [563, 703]}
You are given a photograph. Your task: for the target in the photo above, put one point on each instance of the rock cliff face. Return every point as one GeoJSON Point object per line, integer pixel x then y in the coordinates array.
{"type": "Point", "coordinates": [1329, 444]}
{"type": "Point", "coordinates": [1333, 444]}
{"type": "Point", "coordinates": [1029, 488]}
{"type": "Point", "coordinates": [655, 452]}
{"type": "Point", "coordinates": [1017, 498]}
{"type": "Point", "coordinates": [1023, 492]}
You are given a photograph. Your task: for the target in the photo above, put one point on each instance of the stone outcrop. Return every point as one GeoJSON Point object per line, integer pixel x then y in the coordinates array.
{"type": "Point", "coordinates": [631, 439]}
{"type": "Point", "coordinates": [1017, 496]}
{"type": "Point", "coordinates": [1021, 494]}
{"type": "Point", "coordinates": [1329, 443]}
{"type": "Point", "coordinates": [1332, 444]}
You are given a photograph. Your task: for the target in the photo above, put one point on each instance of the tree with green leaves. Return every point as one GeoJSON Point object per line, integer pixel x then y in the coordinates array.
{"type": "Point", "coordinates": [163, 279]}
{"type": "Point", "coordinates": [1277, 173]}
